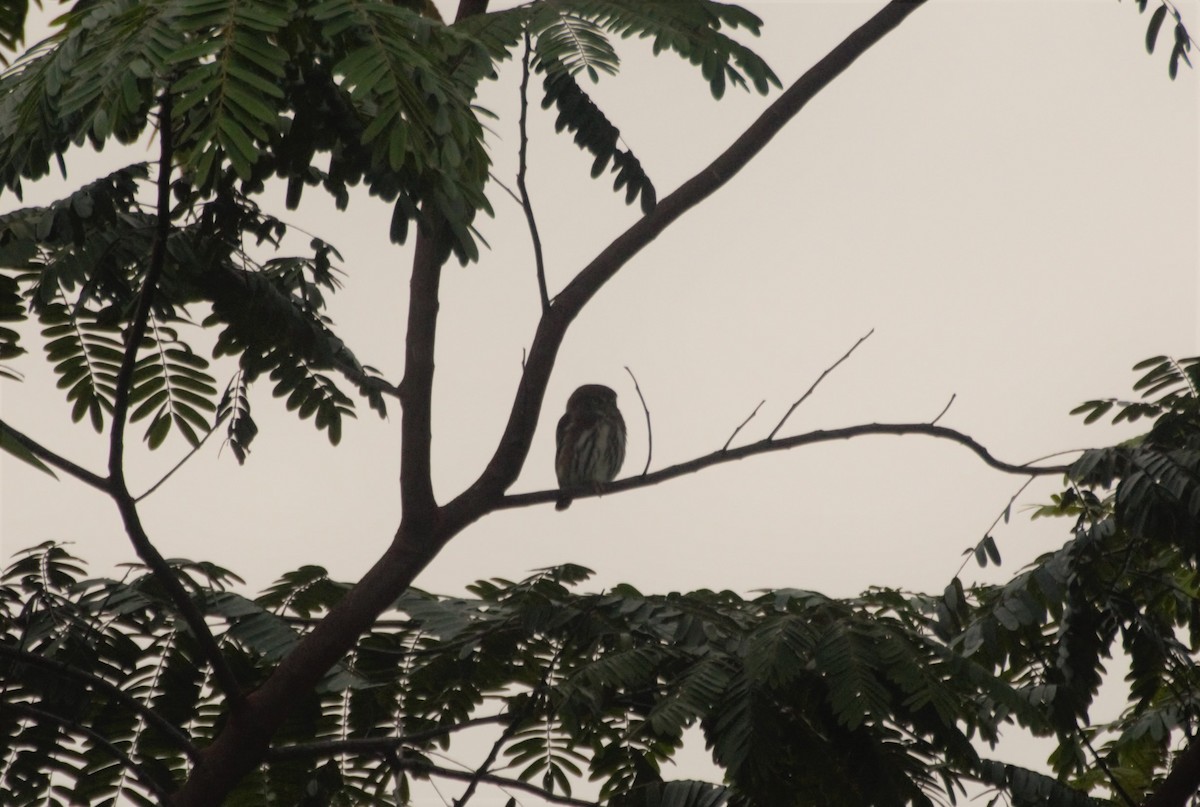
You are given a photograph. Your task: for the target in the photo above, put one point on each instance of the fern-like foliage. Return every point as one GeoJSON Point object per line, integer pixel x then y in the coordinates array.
{"type": "Point", "coordinates": [1126, 583]}
{"type": "Point", "coordinates": [108, 697]}
{"type": "Point", "coordinates": [76, 265]}
{"type": "Point", "coordinates": [573, 39]}
{"type": "Point", "coordinates": [330, 94]}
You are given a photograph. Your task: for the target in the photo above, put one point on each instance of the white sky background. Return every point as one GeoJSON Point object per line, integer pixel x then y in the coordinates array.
{"type": "Point", "coordinates": [1005, 191]}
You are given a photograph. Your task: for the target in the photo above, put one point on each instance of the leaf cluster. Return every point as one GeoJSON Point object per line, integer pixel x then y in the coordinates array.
{"type": "Point", "coordinates": [328, 94]}
{"type": "Point", "coordinates": [107, 695]}
{"type": "Point", "coordinates": [76, 266]}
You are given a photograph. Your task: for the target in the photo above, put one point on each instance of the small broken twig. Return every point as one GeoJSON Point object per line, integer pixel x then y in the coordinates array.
{"type": "Point", "coordinates": [820, 378]}
{"type": "Point", "coordinates": [742, 425]}
{"type": "Point", "coordinates": [649, 432]}
{"type": "Point", "coordinates": [945, 408]}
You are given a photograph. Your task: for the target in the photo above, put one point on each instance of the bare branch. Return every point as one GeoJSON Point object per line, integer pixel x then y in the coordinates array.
{"type": "Point", "coordinates": [186, 457]}
{"type": "Point", "coordinates": [416, 389]}
{"type": "Point", "coordinates": [820, 378]}
{"type": "Point", "coordinates": [649, 431]}
{"type": "Point", "coordinates": [782, 444]}
{"type": "Point", "coordinates": [522, 168]}
{"type": "Point", "coordinates": [945, 408]}
{"type": "Point", "coordinates": [50, 458]}
{"type": "Point", "coordinates": [482, 770]}
{"type": "Point", "coordinates": [500, 184]}
{"type": "Point", "coordinates": [742, 425]}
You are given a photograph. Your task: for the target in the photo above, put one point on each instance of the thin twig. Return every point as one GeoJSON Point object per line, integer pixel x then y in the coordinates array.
{"type": "Point", "coordinates": [1004, 514]}
{"type": "Point", "coordinates": [504, 187]}
{"type": "Point", "coordinates": [742, 425]}
{"type": "Point", "coordinates": [945, 408]}
{"type": "Point", "coordinates": [820, 378]}
{"type": "Point", "coordinates": [419, 766]}
{"type": "Point", "coordinates": [186, 457]}
{"type": "Point", "coordinates": [1113, 781]}
{"type": "Point", "coordinates": [50, 458]}
{"type": "Point", "coordinates": [482, 770]}
{"type": "Point", "coordinates": [522, 168]}
{"type": "Point", "coordinates": [649, 431]}
{"type": "Point", "coordinates": [783, 444]}
{"type": "Point", "coordinates": [368, 745]}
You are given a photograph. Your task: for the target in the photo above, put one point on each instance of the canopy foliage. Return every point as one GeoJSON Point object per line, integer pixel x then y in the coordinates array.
{"type": "Point", "coordinates": [115, 688]}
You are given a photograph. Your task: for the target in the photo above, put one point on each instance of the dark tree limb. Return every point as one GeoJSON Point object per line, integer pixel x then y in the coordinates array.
{"type": "Point", "coordinates": [782, 444]}
{"type": "Point", "coordinates": [416, 389]}
{"type": "Point", "coordinates": [118, 489]}
{"type": "Point", "coordinates": [50, 458]}
{"type": "Point", "coordinates": [419, 767]}
{"type": "Point", "coordinates": [1181, 783]}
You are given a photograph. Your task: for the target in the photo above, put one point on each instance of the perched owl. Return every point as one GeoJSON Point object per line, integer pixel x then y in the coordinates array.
{"type": "Point", "coordinates": [591, 440]}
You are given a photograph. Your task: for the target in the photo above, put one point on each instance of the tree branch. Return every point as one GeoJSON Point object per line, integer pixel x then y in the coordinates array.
{"type": "Point", "coordinates": [186, 457]}
{"type": "Point", "coordinates": [379, 745]}
{"type": "Point", "coordinates": [649, 431]}
{"type": "Point", "coordinates": [782, 444]}
{"type": "Point", "coordinates": [1181, 783]}
{"type": "Point", "coordinates": [74, 727]}
{"type": "Point", "coordinates": [118, 489]}
{"type": "Point", "coordinates": [522, 167]}
{"type": "Point", "coordinates": [50, 458]}
{"type": "Point", "coordinates": [742, 425]}
{"type": "Point", "coordinates": [108, 690]}
{"type": "Point", "coordinates": [419, 767]}
{"type": "Point", "coordinates": [509, 458]}
{"type": "Point", "coordinates": [816, 383]}
{"type": "Point", "coordinates": [416, 389]}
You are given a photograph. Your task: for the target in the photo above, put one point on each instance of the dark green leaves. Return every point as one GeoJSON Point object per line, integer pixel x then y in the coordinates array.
{"type": "Point", "coordinates": [593, 132]}
{"type": "Point", "coordinates": [1156, 21]}
{"type": "Point", "coordinates": [1182, 44]}
{"type": "Point", "coordinates": [172, 389]}
{"type": "Point", "coordinates": [571, 39]}
{"type": "Point", "coordinates": [228, 97]}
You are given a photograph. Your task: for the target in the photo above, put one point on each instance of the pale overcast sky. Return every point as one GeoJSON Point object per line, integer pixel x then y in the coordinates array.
{"type": "Point", "coordinates": [1005, 191]}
